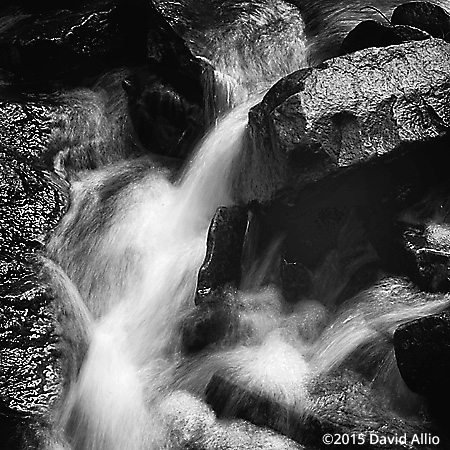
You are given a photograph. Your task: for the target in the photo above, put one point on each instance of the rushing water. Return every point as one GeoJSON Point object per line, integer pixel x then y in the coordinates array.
{"type": "Point", "coordinates": [130, 249]}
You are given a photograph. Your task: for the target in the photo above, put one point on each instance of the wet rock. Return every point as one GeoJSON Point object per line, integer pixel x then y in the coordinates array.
{"type": "Point", "coordinates": [31, 203]}
{"type": "Point", "coordinates": [350, 110]}
{"type": "Point", "coordinates": [374, 34]}
{"type": "Point", "coordinates": [422, 349]}
{"type": "Point", "coordinates": [26, 127]}
{"type": "Point", "coordinates": [211, 322]}
{"type": "Point", "coordinates": [335, 397]}
{"type": "Point", "coordinates": [70, 45]}
{"type": "Point", "coordinates": [423, 15]}
{"type": "Point", "coordinates": [222, 264]}
{"type": "Point", "coordinates": [425, 251]}
{"type": "Point", "coordinates": [166, 109]}
{"type": "Point", "coordinates": [29, 380]}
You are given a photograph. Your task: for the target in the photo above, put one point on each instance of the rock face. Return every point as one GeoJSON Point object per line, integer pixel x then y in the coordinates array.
{"type": "Point", "coordinates": [222, 263]}
{"type": "Point", "coordinates": [350, 110]}
{"type": "Point", "coordinates": [32, 201]}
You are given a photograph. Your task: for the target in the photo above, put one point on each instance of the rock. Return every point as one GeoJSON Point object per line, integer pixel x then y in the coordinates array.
{"type": "Point", "coordinates": [26, 127]}
{"type": "Point", "coordinates": [222, 264]}
{"type": "Point", "coordinates": [374, 34]}
{"type": "Point", "coordinates": [422, 349]}
{"type": "Point", "coordinates": [166, 109]}
{"type": "Point", "coordinates": [423, 15]}
{"type": "Point", "coordinates": [295, 281]}
{"type": "Point", "coordinates": [335, 397]}
{"type": "Point", "coordinates": [350, 110]}
{"type": "Point", "coordinates": [212, 322]}
{"type": "Point", "coordinates": [427, 264]}
{"type": "Point", "coordinates": [32, 201]}
{"type": "Point", "coordinates": [70, 45]}
{"type": "Point", "coordinates": [239, 38]}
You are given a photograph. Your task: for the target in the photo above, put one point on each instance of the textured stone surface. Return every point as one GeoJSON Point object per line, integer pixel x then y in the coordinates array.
{"type": "Point", "coordinates": [350, 110]}
{"type": "Point", "coordinates": [32, 201]}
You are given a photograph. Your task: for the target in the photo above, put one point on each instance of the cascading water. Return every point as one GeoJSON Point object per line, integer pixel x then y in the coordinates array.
{"type": "Point", "coordinates": [132, 244]}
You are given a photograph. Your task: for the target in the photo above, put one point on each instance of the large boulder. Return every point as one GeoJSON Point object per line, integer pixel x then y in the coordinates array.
{"type": "Point", "coordinates": [350, 110]}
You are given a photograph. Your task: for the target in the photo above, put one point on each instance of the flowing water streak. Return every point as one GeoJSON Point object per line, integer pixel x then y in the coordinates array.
{"type": "Point", "coordinates": [156, 240]}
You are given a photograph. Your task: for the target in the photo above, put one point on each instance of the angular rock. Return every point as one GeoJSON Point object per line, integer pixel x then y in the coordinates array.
{"type": "Point", "coordinates": [72, 44]}
{"type": "Point", "coordinates": [423, 15]}
{"type": "Point", "coordinates": [425, 250]}
{"type": "Point", "coordinates": [374, 34]}
{"type": "Point", "coordinates": [222, 264]}
{"type": "Point", "coordinates": [350, 110]}
{"type": "Point", "coordinates": [422, 349]}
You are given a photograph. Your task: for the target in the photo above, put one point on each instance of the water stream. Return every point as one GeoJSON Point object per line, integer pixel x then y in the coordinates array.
{"type": "Point", "coordinates": [130, 249]}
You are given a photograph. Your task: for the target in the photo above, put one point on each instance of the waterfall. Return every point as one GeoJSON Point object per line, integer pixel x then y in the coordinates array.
{"type": "Point", "coordinates": [127, 255]}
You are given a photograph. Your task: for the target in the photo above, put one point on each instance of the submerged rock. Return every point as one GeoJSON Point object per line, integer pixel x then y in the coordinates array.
{"type": "Point", "coordinates": [426, 16]}
{"type": "Point", "coordinates": [350, 110]}
{"type": "Point", "coordinates": [374, 34]}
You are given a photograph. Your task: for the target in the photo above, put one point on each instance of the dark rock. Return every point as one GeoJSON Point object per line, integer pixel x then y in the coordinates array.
{"type": "Point", "coordinates": [166, 109]}
{"type": "Point", "coordinates": [295, 281]}
{"type": "Point", "coordinates": [350, 110]}
{"type": "Point", "coordinates": [222, 264]}
{"type": "Point", "coordinates": [425, 250]}
{"type": "Point", "coordinates": [374, 34]}
{"type": "Point", "coordinates": [422, 349]}
{"type": "Point", "coordinates": [211, 322]}
{"type": "Point", "coordinates": [423, 15]}
{"type": "Point", "coordinates": [70, 45]}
